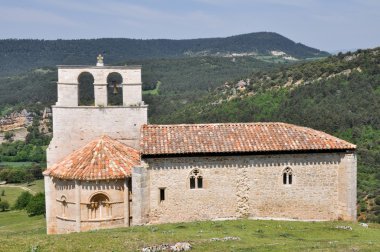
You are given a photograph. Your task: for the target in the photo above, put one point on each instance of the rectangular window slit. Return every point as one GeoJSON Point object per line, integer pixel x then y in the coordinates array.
{"type": "Point", "coordinates": [162, 194]}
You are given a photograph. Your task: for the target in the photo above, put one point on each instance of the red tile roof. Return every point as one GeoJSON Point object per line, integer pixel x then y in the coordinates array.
{"type": "Point", "coordinates": [235, 138]}
{"type": "Point", "coordinates": [101, 159]}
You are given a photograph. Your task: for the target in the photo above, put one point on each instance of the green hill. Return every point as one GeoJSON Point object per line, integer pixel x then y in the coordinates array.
{"type": "Point", "coordinates": [21, 55]}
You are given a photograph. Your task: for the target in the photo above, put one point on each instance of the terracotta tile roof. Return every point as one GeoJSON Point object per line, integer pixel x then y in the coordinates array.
{"type": "Point", "coordinates": [101, 159]}
{"type": "Point", "coordinates": [235, 138]}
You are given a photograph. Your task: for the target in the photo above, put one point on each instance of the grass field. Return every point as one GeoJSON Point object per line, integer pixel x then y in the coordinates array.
{"type": "Point", "coordinates": [36, 186]}
{"type": "Point", "coordinates": [21, 233]}
{"type": "Point", "coordinates": [18, 232]}
{"type": "Point", "coordinates": [11, 194]}
{"type": "Point", "coordinates": [12, 191]}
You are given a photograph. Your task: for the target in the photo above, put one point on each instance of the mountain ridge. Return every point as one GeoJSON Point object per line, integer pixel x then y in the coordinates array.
{"type": "Point", "coordinates": [17, 55]}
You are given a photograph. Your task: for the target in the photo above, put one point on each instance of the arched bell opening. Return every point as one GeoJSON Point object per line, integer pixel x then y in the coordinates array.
{"type": "Point", "coordinates": [86, 95]}
{"type": "Point", "coordinates": [115, 89]}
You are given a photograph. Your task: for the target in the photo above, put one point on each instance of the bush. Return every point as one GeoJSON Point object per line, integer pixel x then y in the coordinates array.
{"type": "Point", "coordinates": [36, 205]}
{"type": "Point", "coordinates": [377, 200]}
{"type": "Point", "coordinates": [23, 200]}
{"type": "Point", "coordinates": [4, 205]}
{"type": "Point", "coordinates": [8, 136]}
{"type": "Point", "coordinates": [13, 175]}
{"type": "Point", "coordinates": [376, 210]}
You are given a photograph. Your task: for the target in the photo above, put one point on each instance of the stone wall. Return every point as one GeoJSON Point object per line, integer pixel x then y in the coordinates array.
{"type": "Point", "coordinates": [252, 186]}
{"type": "Point", "coordinates": [74, 127]}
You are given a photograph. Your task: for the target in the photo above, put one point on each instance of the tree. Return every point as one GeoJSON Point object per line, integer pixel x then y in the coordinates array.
{"type": "Point", "coordinates": [36, 205]}
{"type": "Point", "coordinates": [4, 205]}
{"type": "Point", "coordinates": [9, 136]}
{"type": "Point", "coordinates": [23, 200]}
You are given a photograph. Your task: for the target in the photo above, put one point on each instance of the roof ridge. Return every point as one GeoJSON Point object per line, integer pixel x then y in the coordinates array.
{"type": "Point", "coordinates": [212, 124]}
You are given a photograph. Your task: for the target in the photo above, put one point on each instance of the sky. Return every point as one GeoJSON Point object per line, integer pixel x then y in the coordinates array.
{"type": "Point", "coordinates": [324, 24]}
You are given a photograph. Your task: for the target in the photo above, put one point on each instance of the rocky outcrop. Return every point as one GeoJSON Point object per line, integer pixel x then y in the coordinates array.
{"type": "Point", "coordinates": [16, 120]}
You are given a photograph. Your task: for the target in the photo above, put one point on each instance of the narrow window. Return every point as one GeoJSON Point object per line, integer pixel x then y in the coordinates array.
{"type": "Point", "coordinates": [192, 182]}
{"type": "Point", "coordinates": [287, 176]}
{"type": "Point", "coordinates": [196, 179]}
{"type": "Point", "coordinates": [200, 182]}
{"type": "Point", "coordinates": [162, 194]}
{"type": "Point", "coordinates": [63, 205]}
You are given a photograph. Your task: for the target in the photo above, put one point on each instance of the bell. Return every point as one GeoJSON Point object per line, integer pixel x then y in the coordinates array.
{"type": "Point", "coordinates": [115, 92]}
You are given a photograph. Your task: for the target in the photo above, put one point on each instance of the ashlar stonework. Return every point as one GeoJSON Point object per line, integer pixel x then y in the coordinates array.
{"type": "Point", "coordinates": [108, 168]}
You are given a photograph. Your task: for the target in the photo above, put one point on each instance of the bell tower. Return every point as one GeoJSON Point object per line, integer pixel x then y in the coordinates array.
{"type": "Point", "coordinates": [75, 125]}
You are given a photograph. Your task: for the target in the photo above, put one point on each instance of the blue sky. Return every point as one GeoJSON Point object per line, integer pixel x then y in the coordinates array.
{"type": "Point", "coordinates": [324, 24]}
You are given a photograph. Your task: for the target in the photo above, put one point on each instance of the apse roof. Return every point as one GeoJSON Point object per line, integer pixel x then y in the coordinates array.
{"type": "Point", "coordinates": [102, 159]}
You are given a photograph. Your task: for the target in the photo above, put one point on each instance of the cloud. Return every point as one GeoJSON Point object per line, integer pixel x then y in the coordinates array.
{"type": "Point", "coordinates": [33, 16]}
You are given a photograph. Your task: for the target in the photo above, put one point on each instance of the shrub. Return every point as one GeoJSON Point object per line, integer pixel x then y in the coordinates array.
{"type": "Point", "coordinates": [36, 205]}
{"type": "Point", "coordinates": [9, 136]}
{"type": "Point", "coordinates": [13, 175]}
{"type": "Point", "coordinates": [4, 205]}
{"type": "Point", "coordinates": [377, 200]}
{"type": "Point", "coordinates": [376, 210]}
{"type": "Point", "coordinates": [23, 200]}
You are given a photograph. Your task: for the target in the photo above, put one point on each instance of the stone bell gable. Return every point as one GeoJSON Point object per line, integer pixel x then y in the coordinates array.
{"type": "Point", "coordinates": [75, 125]}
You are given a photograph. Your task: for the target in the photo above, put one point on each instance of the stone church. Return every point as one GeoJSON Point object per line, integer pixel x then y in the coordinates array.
{"type": "Point", "coordinates": [107, 167]}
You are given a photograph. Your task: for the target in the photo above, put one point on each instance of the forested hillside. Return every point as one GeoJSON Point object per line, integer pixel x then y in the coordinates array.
{"type": "Point", "coordinates": [181, 81]}
{"type": "Point", "coordinates": [21, 55]}
{"type": "Point", "coordinates": [339, 95]}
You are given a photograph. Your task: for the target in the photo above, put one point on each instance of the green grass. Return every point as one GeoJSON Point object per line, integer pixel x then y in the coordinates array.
{"type": "Point", "coordinates": [14, 223]}
{"type": "Point", "coordinates": [11, 194]}
{"type": "Point", "coordinates": [21, 233]}
{"type": "Point", "coordinates": [36, 186]}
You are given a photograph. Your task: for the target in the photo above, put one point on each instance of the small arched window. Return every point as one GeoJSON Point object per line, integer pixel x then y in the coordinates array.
{"type": "Point", "coordinates": [99, 206]}
{"type": "Point", "coordinates": [63, 206]}
{"type": "Point", "coordinates": [287, 176]}
{"type": "Point", "coordinates": [196, 179]}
